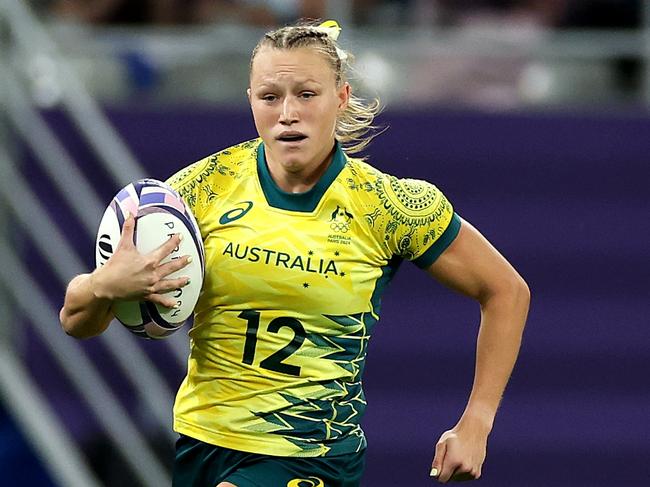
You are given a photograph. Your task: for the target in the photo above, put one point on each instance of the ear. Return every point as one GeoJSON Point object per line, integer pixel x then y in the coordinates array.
{"type": "Point", "coordinates": [344, 96]}
{"type": "Point", "coordinates": [248, 94]}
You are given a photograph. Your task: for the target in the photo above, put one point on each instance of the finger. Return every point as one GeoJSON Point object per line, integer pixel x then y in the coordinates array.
{"type": "Point", "coordinates": [448, 468]}
{"type": "Point", "coordinates": [128, 228]}
{"type": "Point", "coordinates": [164, 286]}
{"type": "Point", "coordinates": [166, 301]}
{"type": "Point", "coordinates": [167, 247]}
{"type": "Point", "coordinates": [446, 473]}
{"type": "Point", "coordinates": [436, 467]}
{"type": "Point", "coordinates": [174, 265]}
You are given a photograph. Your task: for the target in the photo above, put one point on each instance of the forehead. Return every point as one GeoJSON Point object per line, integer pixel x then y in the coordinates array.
{"type": "Point", "coordinates": [271, 64]}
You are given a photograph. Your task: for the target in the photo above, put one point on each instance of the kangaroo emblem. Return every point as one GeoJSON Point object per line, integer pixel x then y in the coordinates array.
{"type": "Point", "coordinates": [341, 215]}
{"type": "Point", "coordinates": [341, 218]}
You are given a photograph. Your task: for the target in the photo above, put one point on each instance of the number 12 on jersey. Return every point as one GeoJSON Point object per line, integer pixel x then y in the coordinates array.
{"type": "Point", "coordinates": [275, 361]}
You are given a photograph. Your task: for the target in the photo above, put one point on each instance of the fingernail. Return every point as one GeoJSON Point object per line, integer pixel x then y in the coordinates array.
{"type": "Point", "coordinates": [189, 259]}
{"type": "Point", "coordinates": [187, 282]}
{"type": "Point", "coordinates": [180, 237]}
{"type": "Point", "coordinates": [434, 472]}
{"type": "Point", "coordinates": [127, 214]}
{"type": "Point", "coordinates": [176, 306]}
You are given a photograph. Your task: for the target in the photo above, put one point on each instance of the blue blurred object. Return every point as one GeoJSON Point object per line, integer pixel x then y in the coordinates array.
{"type": "Point", "coordinates": [18, 463]}
{"type": "Point", "coordinates": [142, 72]}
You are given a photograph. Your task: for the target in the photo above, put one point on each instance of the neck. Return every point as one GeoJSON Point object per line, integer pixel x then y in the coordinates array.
{"type": "Point", "coordinates": [299, 180]}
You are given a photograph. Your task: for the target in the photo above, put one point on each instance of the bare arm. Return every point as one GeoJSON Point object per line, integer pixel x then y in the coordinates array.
{"type": "Point", "coordinates": [472, 266]}
{"type": "Point", "coordinates": [83, 314]}
{"type": "Point", "coordinates": [127, 275]}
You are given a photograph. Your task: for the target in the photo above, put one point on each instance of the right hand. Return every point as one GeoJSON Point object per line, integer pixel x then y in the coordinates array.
{"type": "Point", "coordinates": [130, 275]}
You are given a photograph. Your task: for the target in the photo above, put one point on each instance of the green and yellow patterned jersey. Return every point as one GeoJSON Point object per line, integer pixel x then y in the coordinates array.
{"type": "Point", "coordinates": [291, 294]}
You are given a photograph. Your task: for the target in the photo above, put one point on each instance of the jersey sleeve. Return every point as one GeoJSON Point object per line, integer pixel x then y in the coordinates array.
{"type": "Point", "coordinates": [187, 182]}
{"type": "Point", "coordinates": [199, 184]}
{"type": "Point", "coordinates": [420, 223]}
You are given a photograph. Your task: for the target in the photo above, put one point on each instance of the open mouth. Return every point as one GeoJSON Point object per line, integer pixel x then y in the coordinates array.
{"type": "Point", "coordinates": [291, 137]}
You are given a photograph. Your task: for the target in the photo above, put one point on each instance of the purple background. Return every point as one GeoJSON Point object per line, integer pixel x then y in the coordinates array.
{"type": "Point", "coordinates": [566, 199]}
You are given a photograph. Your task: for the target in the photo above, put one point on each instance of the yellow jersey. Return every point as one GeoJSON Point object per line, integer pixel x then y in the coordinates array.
{"type": "Point", "coordinates": [292, 291]}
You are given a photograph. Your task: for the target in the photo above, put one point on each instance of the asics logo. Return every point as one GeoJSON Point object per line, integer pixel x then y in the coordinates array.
{"type": "Point", "coordinates": [310, 482]}
{"type": "Point", "coordinates": [236, 213]}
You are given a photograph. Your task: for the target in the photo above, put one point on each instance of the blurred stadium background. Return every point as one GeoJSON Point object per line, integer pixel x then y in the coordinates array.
{"type": "Point", "coordinates": [531, 115]}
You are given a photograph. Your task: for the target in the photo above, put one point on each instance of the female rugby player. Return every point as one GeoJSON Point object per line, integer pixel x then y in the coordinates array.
{"type": "Point", "coordinates": [301, 238]}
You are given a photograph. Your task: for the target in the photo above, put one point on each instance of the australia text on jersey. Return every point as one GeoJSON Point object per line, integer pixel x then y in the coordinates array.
{"type": "Point", "coordinates": [278, 259]}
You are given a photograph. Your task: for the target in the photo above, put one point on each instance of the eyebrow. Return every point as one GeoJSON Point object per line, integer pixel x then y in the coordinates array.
{"type": "Point", "coordinates": [272, 84]}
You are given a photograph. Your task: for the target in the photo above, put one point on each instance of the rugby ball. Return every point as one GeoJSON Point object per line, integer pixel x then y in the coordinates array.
{"type": "Point", "coordinates": [159, 213]}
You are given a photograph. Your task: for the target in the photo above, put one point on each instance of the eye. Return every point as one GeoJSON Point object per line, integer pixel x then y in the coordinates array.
{"type": "Point", "coordinates": [269, 97]}
{"type": "Point", "coordinates": [306, 95]}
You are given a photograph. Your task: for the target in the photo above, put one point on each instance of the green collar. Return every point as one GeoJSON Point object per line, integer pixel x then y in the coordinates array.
{"type": "Point", "coordinates": [304, 202]}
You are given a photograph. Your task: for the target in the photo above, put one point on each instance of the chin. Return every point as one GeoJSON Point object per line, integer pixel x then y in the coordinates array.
{"type": "Point", "coordinates": [293, 163]}
{"type": "Point", "coordinates": [293, 157]}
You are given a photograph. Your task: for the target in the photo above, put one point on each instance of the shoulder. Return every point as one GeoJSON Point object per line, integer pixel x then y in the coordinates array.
{"type": "Point", "coordinates": [413, 200]}
{"type": "Point", "coordinates": [212, 174]}
{"type": "Point", "coordinates": [410, 217]}
{"type": "Point", "coordinates": [409, 200]}
{"type": "Point", "coordinates": [360, 176]}
{"type": "Point", "coordinates": [223, 162]}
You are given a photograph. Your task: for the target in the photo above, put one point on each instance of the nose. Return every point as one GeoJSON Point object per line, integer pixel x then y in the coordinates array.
{"type": "Point", "coordinates": [289, 113]}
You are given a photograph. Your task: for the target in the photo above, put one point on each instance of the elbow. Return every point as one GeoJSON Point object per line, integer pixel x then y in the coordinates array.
{"type": "Point", "coordinates": [519, 297]}
{"type": "Point", "coordinates": [521, 291]}
{"type": "Point", "coordinates": [78, 333]}
{"type": "Point", "coordinates": [511, 290]}
{"type": "Point", "coordinates": [70, 327]}
{"type": "Point", "coordinates": [67, 324]}
{"type": "Point", "coordinates": [517, 291]}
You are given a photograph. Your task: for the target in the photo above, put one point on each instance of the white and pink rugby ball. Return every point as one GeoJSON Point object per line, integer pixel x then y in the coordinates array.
{"type": "Point", "coordinates": [160, 212]}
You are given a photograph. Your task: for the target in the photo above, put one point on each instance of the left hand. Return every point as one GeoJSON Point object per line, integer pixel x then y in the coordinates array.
{"type": "Point", "coordinates": [460, 453]}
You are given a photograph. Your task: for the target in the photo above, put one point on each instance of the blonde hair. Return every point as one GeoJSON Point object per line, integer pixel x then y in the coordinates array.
{"type": "Point", "coordinates": [354, 126]}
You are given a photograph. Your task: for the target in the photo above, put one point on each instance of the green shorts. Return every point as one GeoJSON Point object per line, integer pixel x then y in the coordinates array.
{"type": "Point", "coordinates": [199, 464]}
